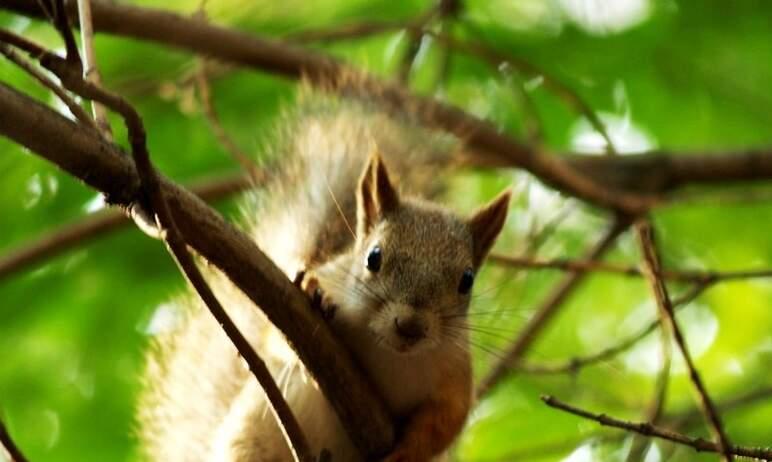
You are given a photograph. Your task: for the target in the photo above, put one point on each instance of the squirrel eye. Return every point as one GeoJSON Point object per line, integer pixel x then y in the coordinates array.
{"type": "Point", "coordinates": [467, 279]}
{"type": "Point", "coordinates": [374, 259]}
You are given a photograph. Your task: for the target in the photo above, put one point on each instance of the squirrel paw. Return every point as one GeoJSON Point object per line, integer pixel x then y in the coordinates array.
{"type": "Point", "coordinates": [319, 299]}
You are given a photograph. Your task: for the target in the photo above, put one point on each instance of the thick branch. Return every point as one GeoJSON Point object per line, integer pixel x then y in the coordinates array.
{"type": "Point", "coordinates": [103, 167]}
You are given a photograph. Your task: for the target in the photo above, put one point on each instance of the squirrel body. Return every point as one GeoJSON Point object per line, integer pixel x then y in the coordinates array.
{"type": "Point", "coordinates": [390, 270]}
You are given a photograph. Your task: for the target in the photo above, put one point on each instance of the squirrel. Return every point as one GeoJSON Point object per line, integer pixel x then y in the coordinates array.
{"type": "Point", "coordinates": [348, 216]}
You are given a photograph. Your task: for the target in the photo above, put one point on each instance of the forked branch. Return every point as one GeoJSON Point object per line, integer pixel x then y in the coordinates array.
{"type": "Point", "coordinates": [653, 273]}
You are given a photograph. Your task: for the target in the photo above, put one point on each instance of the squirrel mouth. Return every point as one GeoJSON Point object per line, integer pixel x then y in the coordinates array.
{"type": "Point", "coordinates": [404, 345]}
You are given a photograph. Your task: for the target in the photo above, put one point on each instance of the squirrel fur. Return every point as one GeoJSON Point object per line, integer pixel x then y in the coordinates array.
{"type": "Point", "coordinates": [391, 271]}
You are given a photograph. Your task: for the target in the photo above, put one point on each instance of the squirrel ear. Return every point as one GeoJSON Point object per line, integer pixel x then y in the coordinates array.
{"type": "Point", "coordinates": [486, 224]}
{"type": "Point", "coordinates": [376, 195]}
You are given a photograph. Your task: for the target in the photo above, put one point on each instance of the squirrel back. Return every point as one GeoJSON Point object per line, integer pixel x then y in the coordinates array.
{"type": "Point", "coordinates": [397, 269]}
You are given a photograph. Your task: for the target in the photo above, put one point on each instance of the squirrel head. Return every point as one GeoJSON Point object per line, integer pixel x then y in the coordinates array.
{"type": "Point", "coordinates": [414, 263]}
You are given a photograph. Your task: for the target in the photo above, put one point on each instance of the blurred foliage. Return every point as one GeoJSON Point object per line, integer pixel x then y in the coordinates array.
{"type": "Point", "coordinates": [681, 75]}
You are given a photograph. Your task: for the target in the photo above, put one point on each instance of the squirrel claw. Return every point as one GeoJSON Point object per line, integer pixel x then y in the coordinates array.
{"type": "Point", "coordinates": [319, 300]}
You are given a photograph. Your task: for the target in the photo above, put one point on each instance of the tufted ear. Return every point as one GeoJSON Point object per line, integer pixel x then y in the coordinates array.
{"type": "Point", "coordinates": [486, 224]}
{"type": "Point", "coordinates": [376, 195]}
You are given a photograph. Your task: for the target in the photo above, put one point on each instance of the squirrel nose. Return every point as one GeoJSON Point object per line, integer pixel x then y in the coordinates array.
{"type": "Point", "coordinates": [411, 328]}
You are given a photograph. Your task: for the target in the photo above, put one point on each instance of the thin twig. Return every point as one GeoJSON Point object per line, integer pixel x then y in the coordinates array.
{"type": "Point", "coordinates": [646, 429]}
{"type": "Point", "coordinates": [496, 58]}
{"type": "Point", "coordinates": [71, 235]}
{"type": "Point", "coordinates": [415, 30]}
{"type": "Point", "coordinates": [73, 106]}
{"type": "Point", "coordinates": [545, 313]}
{"type": "Point", "coordinates": [573, 365]}
{"type": "Point", "coordinates": [695, 276]}
{"type": "Point", "coordinates": [349, 31]}
{"type": "Point", "coordinates": [28, 46]}
{"type": "Point", "coordinates": [655, 409]}
{"type": "Point", "coordinates": [151, 186]}
{"type": "Point", "coordinates": [205, 96]}
{"type": "Point", "coordinates": [10, 447]}
{"type": "Point", "coordinates": [654, 275]}
{"type": "Point", "coordinates": [692, 417]}
{"type": "Point", "coordinates": [90, 69]}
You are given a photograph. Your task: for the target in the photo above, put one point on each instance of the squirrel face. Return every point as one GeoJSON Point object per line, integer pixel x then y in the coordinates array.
{"type": "Point", "coordinates": [413, 264]}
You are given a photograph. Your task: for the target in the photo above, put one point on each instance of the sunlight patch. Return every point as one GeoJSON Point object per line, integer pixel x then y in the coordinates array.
{"type": "Point", "coordinates": [627, 137]}
{"type": "Point", "coordinates": [604, 17]}
{"type": "Point", "coordinates": [583, 453]}
{"type": "Point", "coordinates": [699, 326]}
{"type": "Point", "coordinates": [165, 319]}
{"type": "Point", "coordinates": [94, 204]}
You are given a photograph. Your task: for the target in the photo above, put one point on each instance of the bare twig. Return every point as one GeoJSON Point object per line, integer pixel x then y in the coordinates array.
{"type": "Point", "coordinates": [205, 95]}
{"type": "Point", "coordinates": [90, 69]}
{"type": "Point", "coordinates": [73, 106]}
{"type": "Point", "coordinates": [656, 407]}
{"type": "Point", "coordinates": [694, 416]}
{"type": "Point", "coordinates": [496, 58]}
{"type": "Point", "coordinates": [575, 364]}
{"type": "Point", "coordinates": [654, 275]}
{"type": "Point", "coordinates": [349, 31]}
{"type": "Point", "coordinates": [545, 313]}
{"type": "Point", "coordinates": [28, 46]}
{"type": "Point", "coordinates": [694, 276]}
{"type": "Point", "coordinates": [7, 443]}
{"type": "Point", "coordinates": [417, 29]}
{"type": "Point", "coordinates": [99, 223]}
{"type": "Point", "coordinates": [646, 429]}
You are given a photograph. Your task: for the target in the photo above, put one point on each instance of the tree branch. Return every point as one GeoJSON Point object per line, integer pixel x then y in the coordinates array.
{"type": "Point", "coordinates": [90, 69]}
{"type": "Point", "coordinates": [653, 173]}
{"type": "Point", "coordinates": [646, 429]}
{"type": "Point", "coordinates": [492, 147]}
{"type": "Point", "coordinates": [102, 166]}
{"type": "Point", "coordinates": [43, 79]}
{"type": "Point", "coordinates": [667, 314]}
{"type": "Point", "coordinates": [62, 239]}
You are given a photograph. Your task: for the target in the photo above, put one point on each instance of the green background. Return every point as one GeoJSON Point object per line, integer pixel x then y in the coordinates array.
{"type": "Point", "coordinates": [681, 75]}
